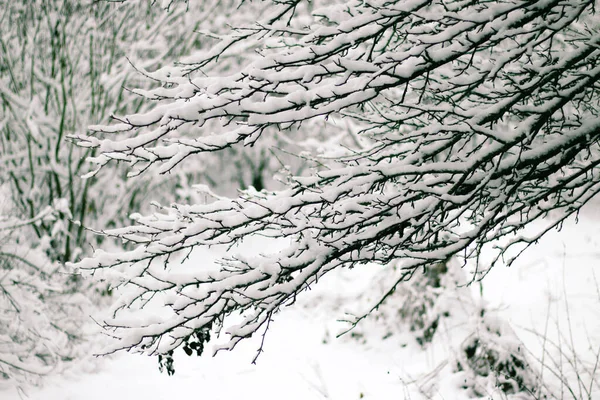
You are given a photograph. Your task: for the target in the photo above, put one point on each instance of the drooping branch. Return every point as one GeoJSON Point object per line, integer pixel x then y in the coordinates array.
{"type": "Point", "coordinates": [477, 121]}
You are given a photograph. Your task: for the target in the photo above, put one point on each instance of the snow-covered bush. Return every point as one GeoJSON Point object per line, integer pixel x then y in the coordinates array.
{"type": "Point", "coordinates": [473, 119]}
{"type": "Point", "coordinates": [476, 351]}
{"type": "Point", "coordinates": [492, 359]}
{"type": "Point", "coordinates": [41, 312]}
{"type": "Point", "coordinates": [64, 68]}
{"type": "Point", "coordinates": [421, 305]}
{"type": "Point", "coordinates": [418, 306]}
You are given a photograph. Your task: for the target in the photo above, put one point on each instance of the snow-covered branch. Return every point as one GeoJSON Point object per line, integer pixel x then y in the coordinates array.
{"type": "Point", "coordinates": [476, 118]}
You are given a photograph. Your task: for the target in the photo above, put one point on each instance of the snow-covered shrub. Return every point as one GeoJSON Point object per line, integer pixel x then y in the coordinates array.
{"type": "Point", "coordinates": [64, 68]}
{"type": "Point", "coordinates": [417, 307]}
{"type": "Point", "coordinates": [418, 302]}
{"type": "Point", "coordinates": [42, 314]}
{"type": "Point", "coordinates": [437, 310]}
{"type": "Point", "coordinates": [69, 64]}
{"type": "Point", "coordinates": [492, 359]}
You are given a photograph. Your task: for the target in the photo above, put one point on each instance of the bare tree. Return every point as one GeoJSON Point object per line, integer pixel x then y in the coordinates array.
{"type": "Point", "coordinates": [473, 120]}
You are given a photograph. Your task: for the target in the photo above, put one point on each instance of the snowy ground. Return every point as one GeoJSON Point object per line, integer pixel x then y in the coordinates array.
{"type": "Point", "coordinates": [550, 291]}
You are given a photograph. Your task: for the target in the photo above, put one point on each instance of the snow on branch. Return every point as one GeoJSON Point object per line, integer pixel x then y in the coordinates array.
{"type": "Point", "coordinates": [481, 117]}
